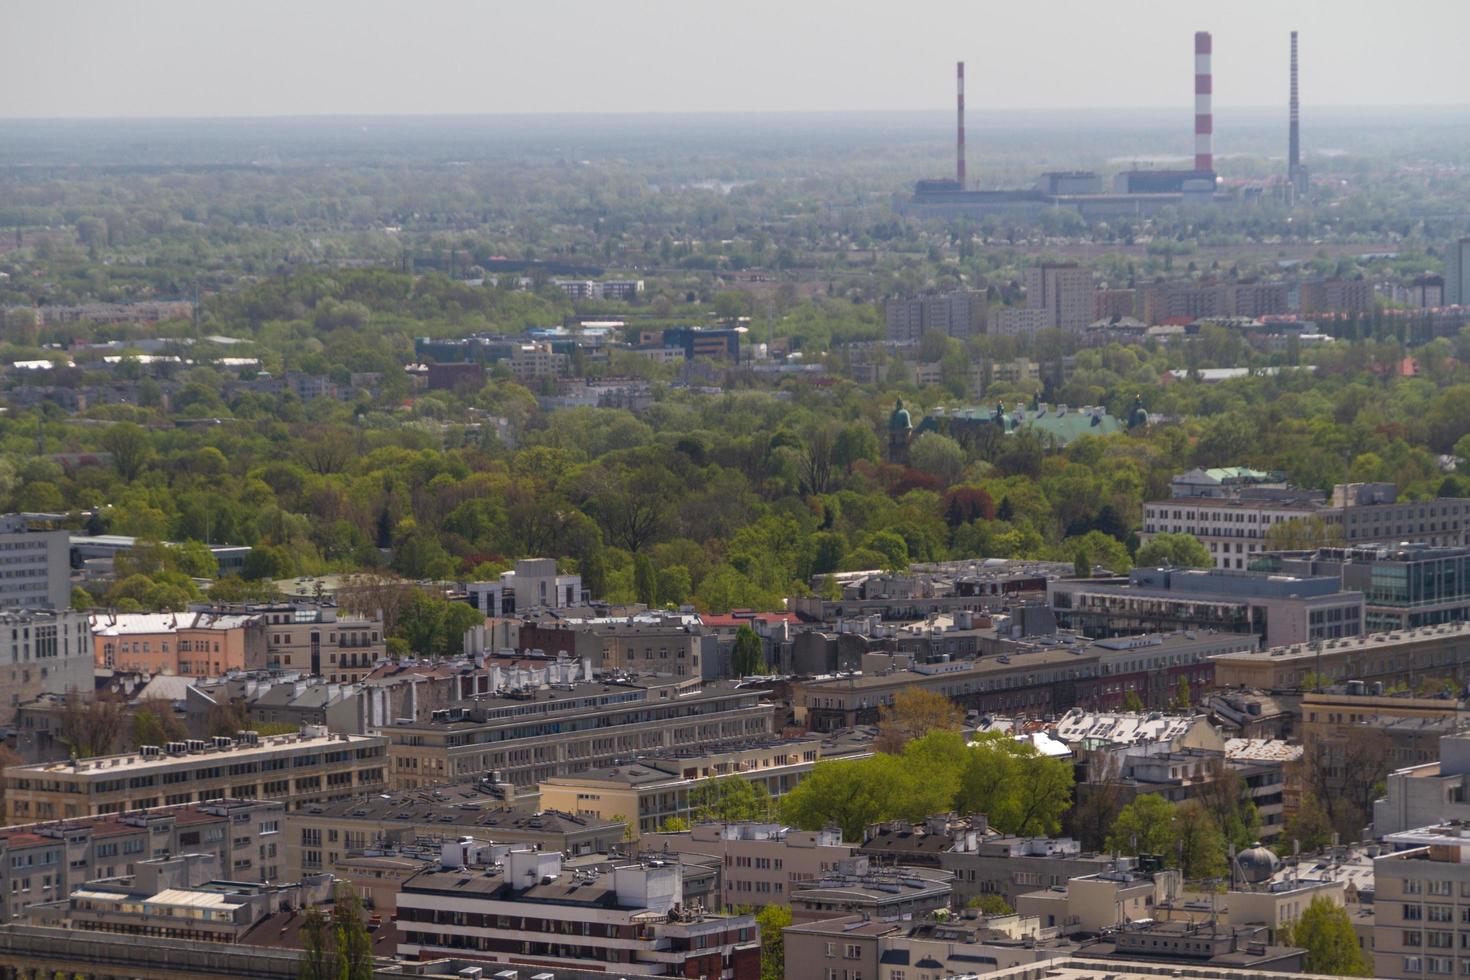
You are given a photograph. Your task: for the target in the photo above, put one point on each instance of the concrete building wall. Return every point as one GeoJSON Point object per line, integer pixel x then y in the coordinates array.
{"type": "Point", "coordinates": [35, 570]}
{"type": "Point", "coordinates": [42, 653]}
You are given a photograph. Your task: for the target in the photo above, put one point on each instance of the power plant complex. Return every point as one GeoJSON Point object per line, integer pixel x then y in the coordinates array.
{"type": "Point", "coordinates": [1137, 192]}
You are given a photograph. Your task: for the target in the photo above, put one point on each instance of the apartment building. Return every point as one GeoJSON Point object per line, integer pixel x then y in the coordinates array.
{"type": "Point", "coordinates": [1016, 322]}
{"type": "Point", "coordinates": [1431, 651]}
{"type": "Point", "coordinates": [1428, 793]}
{"type": "Point", "coordinates": [1422, 904]}
{"type": "Point", "coordinates": [696, 342]}
{"type": "Point", "coordinates": [45, 862]}
{"type": "Point", "coordinates": [35, 566]}
{"type": "Point", "coordinates": [760, 863]}
{"type": "Point", "coordinates": [1064, 292]}
{"type": "Point", "coordinates": [1233, 524]}
{"type": "Point", "coordinates": [313, 767]}
{"type": "Point", "coordinates": [533, 584]}
{"type": "Point", "coordinates": [321, 836]}
{"type": "Point", "coordinates": [858, 887]}
{"type": "Point", "coordinates": [1336, 295]}
{"type": "Point", "coordinates": [537, 361]}
{"type": "Point", "coordinates": [42, 651]}
{"type": "Point", "coordinates": [1277, 609]}
{"type": "Point", "coordinates": [191, 644]}
{"type": "Point", "coordinates": [1151, 666]}
{"type": "Point", "coordinates": [673, 648]}
{"type": "Point", "coordinates": [653, 789]}
{"type": "Point", "coordinates": [963, 944]}
{"type": "Point", "coordinates": [315, 638]}
{"type": "Point", "coordinates": [532, 911]}
{"type": "Point", "coordinates": [184, 896]}
{"type": "Point", "coordinates": [529, 735]}
{"type": "Point", "coordinates": [958, 314]}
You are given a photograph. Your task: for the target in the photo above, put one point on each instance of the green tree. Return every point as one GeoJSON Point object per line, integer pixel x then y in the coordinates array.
{"type": "Point", "coordinates": [1177, 550]}
{"type": "Point", "coordinates": [674, 586]}
{"type": "Point", "coordinates": [1302, 534]}
{"type": "Point", "coordinates": [268, 562]}
{"type": "Point", "coordinates": [939, 456]}
{"type": "Point", "coordinates": [1081, 564]}
{"type": "Point", "coordinates": [90, 726]}
{"type": "Point", "coordinates": [1326, 933]}
{"type": "Point", "coordinates": [673, 825]}
{"type": "Point", "coordinates": [317, 962]}
{"type": "Point", "coordinates": [1132, 702]}
{"type": "Point", "coordinates": [81, 599]}
{"type": "Point", "coordinates": [354, 949]}
{"type": "Point", "coordinates": [1200, 847]}
{"type": "Point", "coordinates": [990, 904]}
{"type": "Point", "coordinates": [729, 800]}
{"type": "Point", "coordinates": [772, 920]}
{"type": "Point", "coordinates": [594, 573]}
{"type": "Point", "coordinates": [131, 448]}
{"type": "Point", "coordinates": [155, 724]}
{"type": "Point", "coordinates": [645, 581]}
{"type": "Point", "coordinates": [1310, 826]}
{"type": "Point", "coordinates": [1145, 826]}
{"type": "Point", "coordinates": [747, 657]}
{"type": "Point", "coordinates": [848, 794]}
{"type": "Point", "coordinates": [194, 559]}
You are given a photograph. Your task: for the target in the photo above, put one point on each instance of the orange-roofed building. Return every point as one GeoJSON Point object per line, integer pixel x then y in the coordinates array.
{"type": "Point", "coordinates": [191, 644]}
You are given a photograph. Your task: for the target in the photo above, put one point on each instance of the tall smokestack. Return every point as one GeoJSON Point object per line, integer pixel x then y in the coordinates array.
{"type": "Point", "coordinates": [1294, 146]}
{"type": "Point", "coordinates": [1204, 118]}
{"type": "Point", "coordinates": [959, 163]}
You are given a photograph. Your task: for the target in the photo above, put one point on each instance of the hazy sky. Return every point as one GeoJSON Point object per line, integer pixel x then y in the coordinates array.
{"type": "Point", "coordinates": [309, 57]}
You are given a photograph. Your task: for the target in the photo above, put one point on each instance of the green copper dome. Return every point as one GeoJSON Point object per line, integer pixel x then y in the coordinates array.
{"type": "Point", "coordinates": [900, 418]}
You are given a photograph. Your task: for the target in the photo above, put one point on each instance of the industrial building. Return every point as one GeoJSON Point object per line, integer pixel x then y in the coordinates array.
{"type": "Point", "coordinates": [1134, 193]}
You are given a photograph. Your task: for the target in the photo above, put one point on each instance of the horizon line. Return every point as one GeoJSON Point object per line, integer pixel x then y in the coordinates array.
{"type": "Point", "coordinates": [583, 113]}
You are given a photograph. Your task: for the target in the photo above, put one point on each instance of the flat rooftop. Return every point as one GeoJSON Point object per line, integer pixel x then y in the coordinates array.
{"type": "Point", "coordinates": [455, 807]}
{"type": "Point", "coordinates": [963, 670]}
{"type": "Point", "coordinates": [1350, 644]}
{"type": "Point", "coordinates": [109, 766]}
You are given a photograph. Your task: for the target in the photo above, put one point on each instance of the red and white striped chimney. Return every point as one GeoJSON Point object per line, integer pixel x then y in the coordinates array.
{"type": "Point", "coordinates": [1204, 117]}
{"type": "Point", "coordinates": [959, 165]}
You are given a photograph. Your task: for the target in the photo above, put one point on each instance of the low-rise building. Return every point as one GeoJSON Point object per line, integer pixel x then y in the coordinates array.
{"type": "Point", "coordinates": [317, 638]}
{"type": "Point", "coordinates": [197, 644]}
{"type": "Point", "coordinates": [1278, 609]}
{"type": "Point", "coordinates": [1430, 651]}
{"type": "Point", "coordinates": [856, 886]}
{"type": "Point", "coordinates": [42, 651]}
{"type": "Point", "coordinates": [529, 735]}
{"type": "Point", "coordinates": [531, 911]}
{"type": "Point", "coordinates": [981, 861]}
{"type": "Point", "coordinates": [312, 767]}
{"type": "Point", "coordinates": [653, 789]}
{"type": "Point", "coordinates": [320, 836]}
{"type": "Point", "coordinates": [1421, 927]}
{"type": "Point", "coordinates": [44, 862]}
{"type": "Point", "coordinates": [760, 863]}
{"type": "Point", "coordinates": [181, 897]}
{"type": "Point", "coordinates": [1429, 793]}
{"type": "Point", "coordinates": [1089, 904]}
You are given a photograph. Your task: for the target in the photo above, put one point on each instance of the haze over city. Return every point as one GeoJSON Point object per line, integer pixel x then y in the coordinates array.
{"type": "Point", "coordinates": [734, 490]}
{"type": "Point", "coordinates": [150, 58]}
